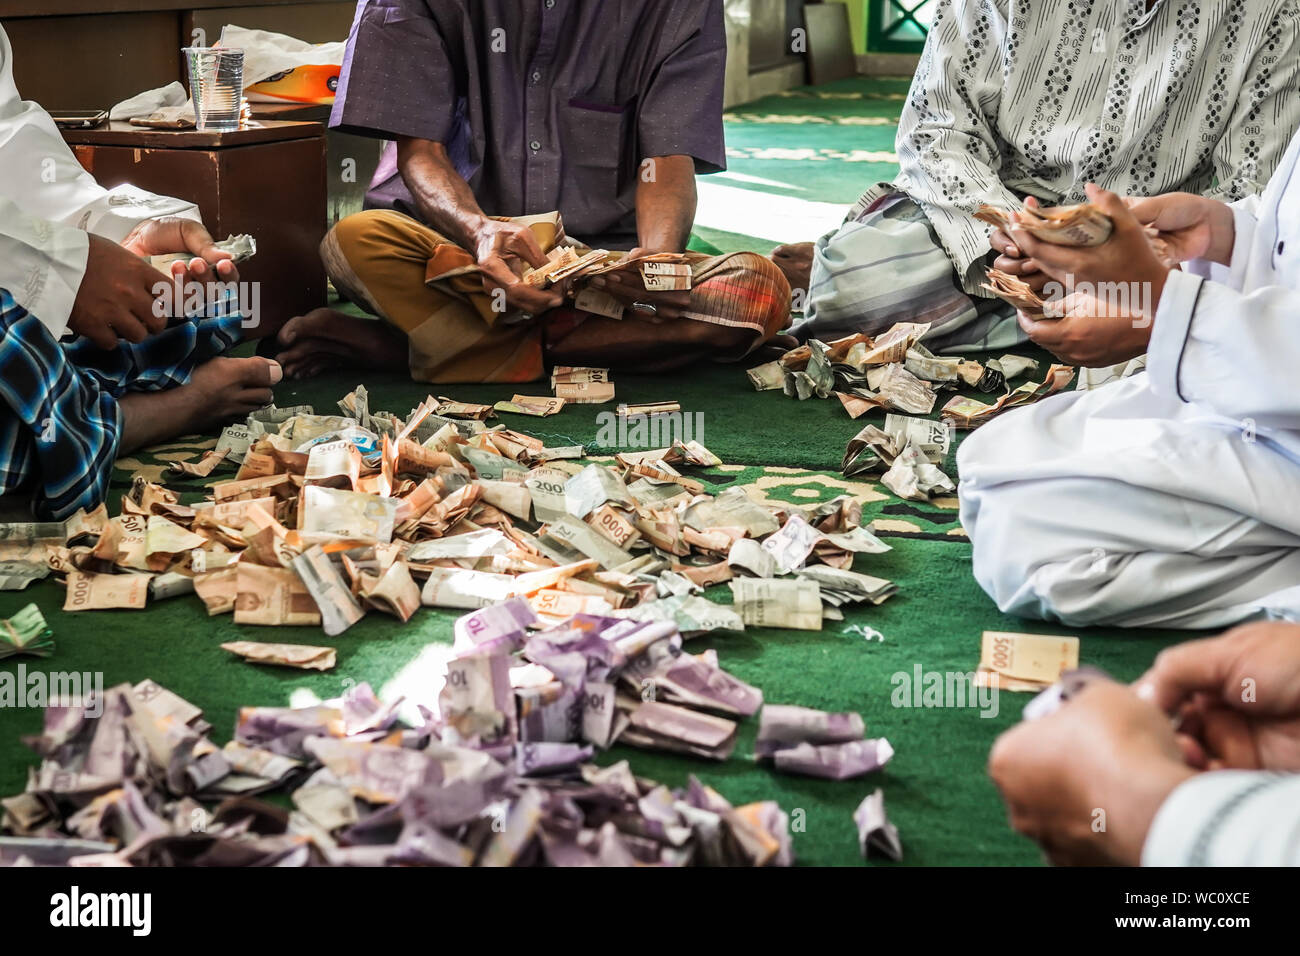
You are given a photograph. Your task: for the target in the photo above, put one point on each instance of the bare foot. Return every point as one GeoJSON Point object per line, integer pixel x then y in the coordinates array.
{"type": "Point", "coordinates": [795, 260]}
{"type": "Point", "coordinates": [219, 391]}
{"type": "Point", "coordinates": [326, 338]}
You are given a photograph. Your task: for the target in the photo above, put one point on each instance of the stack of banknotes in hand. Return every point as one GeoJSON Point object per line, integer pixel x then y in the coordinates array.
{"type": "Point", "coordinates": [1081, 226]}
{"type": "Point", "coordinates": [578, 271]}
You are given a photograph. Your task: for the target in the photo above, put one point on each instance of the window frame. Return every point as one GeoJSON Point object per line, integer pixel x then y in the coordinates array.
{"type": "Point", "coordinates": [879, 36]}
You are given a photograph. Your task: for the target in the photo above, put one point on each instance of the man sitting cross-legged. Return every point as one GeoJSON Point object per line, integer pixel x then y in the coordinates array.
{"type": "Point", "coordinates": [90, 365]}
{"type": "Point", "coordinates": [1167, 498]}
{"type": "Point", "coordinates": [601, 111]}
{"type": "Point", "coordinates": [1020, 98]}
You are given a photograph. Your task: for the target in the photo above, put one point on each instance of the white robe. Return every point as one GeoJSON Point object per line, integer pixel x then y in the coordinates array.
{"type": "Point", "coordinates": [1171, 498]}
{"type": "Point", "coordinates": [1228, 818]}
{"type": "Point", "coordinates": [48, 203]}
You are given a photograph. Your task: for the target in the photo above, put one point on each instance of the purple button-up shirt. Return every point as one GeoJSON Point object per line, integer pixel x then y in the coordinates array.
{"type": "Point", "coordinates": [541, 104]}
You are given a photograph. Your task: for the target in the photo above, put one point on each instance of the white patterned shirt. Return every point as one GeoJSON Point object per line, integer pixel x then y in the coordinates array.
{"type": "Point", "coordinates": [1039, 97]}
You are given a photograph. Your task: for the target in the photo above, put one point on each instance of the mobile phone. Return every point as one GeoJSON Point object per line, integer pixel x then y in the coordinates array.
{"type": "Point", "coordinates": [78, 119]}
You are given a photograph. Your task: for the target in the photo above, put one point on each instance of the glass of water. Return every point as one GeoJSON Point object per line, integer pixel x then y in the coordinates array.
{"type": "Point", "coordinates": [216, 86]}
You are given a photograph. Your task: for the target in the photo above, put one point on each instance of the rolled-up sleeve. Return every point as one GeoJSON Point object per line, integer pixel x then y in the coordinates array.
{"type": "Point", "coordinates": [397, 78]}
{"type": "Point", "coordinates": [1245, 220]}
{"type": "Point", "coordinates": [48, 204]}
{"type": "Point", "coordinates": [681, 111]}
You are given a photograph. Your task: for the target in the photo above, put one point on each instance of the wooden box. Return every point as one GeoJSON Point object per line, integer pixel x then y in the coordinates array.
{"type": "Point", "coordinates": [268, 181]}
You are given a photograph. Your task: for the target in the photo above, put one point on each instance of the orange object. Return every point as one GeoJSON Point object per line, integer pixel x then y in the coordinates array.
{"type": "Point", "coordinates": [302, 84]}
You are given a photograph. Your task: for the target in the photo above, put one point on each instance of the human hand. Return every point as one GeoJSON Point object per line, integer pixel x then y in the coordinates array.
{"type": "Point", "coordinates": [1013, 261]}
{"type": "Point", "coordinates": [497, 247]}
{"type": "Point", "coordinates": [628, 286]}
{"type": "Point", "coordinates": [1127, 257]}
{"type": "Point", "coordinates": [170, 235]}
{"type": "Point", "coordinates": [795, 260]}
{"type": "Point", "coordinates": [1086, 781]}
{"type": "Point", "coordinates": [116, 297]}
{"type": "Point", "coordinates": [1192, 227]}
{"type": "Point", "coordinates": [1238, 696]}
{"type": "Point", "coordinates": [1089, 332]}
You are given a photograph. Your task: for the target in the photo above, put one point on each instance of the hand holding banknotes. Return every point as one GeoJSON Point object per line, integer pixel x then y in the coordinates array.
{"type": "Point", "coordinates": [1013, 261]}
{"type": "Point", "coordinates": [1237, 697]}
{"type": "Point", "coordinates": [627, 286]}
{"type": "Point", "coordinates": [160, 237]}
{"type": "Point", "coordinates": [1127, 257]}
{"type": "Point", "coordinates": [497, 245]}
{"type": "Point", "coordinates": [1086, 781]}
{"type": "Point", "coordinates": [1086, 331]}
{"type": "Point", "coordinates": [116, 298]}
{"type": "Point", "coordinates": [1192, 227]}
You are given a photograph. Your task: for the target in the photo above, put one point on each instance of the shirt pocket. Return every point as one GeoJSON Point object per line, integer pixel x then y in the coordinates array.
{"type": "Point", "coordinates": [1286, 225]}
{"type": "Point", "coordinates": [395, 11]}
{"type": "Point", "coordinates": [596, 142]}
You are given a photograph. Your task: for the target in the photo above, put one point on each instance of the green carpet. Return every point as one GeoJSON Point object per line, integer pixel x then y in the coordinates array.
{"type": "Point", "coordinates": [796, 161]}
{"type": "Point", "coordinates": [936, 789]}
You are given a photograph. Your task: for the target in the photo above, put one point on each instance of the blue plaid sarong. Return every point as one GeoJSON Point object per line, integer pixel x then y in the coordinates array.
{"type": "Point", "coordinates": [59, 419]}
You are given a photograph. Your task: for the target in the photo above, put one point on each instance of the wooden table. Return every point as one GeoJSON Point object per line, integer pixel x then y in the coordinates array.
{"type": "Point", "coordinates": [268, 180]}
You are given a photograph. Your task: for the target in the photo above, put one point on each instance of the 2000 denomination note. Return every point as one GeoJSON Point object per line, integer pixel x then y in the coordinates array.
{"type": "Point", "coordinates": [770, 602]}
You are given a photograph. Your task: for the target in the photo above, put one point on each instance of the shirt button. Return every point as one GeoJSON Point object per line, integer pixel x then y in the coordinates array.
{"type": "Point", "coordinates": [535, 146]}
{"type": "Point", "coordinates": [1281, 246]}
{"type": "Point", "coordinates": [550, 4]}
{"type": "Point", "coordinates": [537, 76]}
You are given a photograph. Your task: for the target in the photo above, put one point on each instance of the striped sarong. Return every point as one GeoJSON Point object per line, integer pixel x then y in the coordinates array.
{"type": "Point", "coordinates": [60, 424]}
{"type": "Point", "coordinates": [886, 265]}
